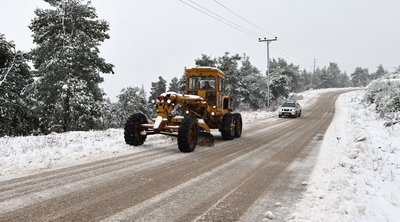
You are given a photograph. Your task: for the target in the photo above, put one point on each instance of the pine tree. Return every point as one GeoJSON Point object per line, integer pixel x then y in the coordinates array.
{"type": "Point", "coordinates": [253, 86]}
{"type": "Point", "coordinates": [16, 116]}
{"type": "Point", "coordinates": [328, 77]}
{"type": "Point", "coordinates": [206, 60]}
{"type": "Point", "coordinates": [144, 108]}
{"type": "Point", "coordinates": [182, 84]}
{"type": "Point", "coordinates": [379, 72]}
{"type": "Point", "coordinates": [307, 78]}
{"type": "Point", "coordinates": [280, 78]}
{"type": "Point", "coordinates": [68, 36]}
{"type": "Point", "coordinates": [229, 65]}
{"type": "Point", "coordinates": [334, 73]}
{"type": "Point", "coordinates": [344, 80]}
{"type": "Point", "coordinates": [157, 88]}
{"type": "Point", "coordinates": [305, 81]}
{"type": "Point", "coordinates": [360, 77]}
{"type": "Point", "coordinates": [108, 114]}
{"type": "Point", "coordinates": [131, 100]}
{"type": "Point", "coordinates": [174, 85]}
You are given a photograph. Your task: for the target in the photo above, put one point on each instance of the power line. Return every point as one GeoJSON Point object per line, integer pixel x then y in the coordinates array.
{"type": "Point", "coordinates": [285, 51]}
{"type": "Point", "coordinates": [219, 18]}
{"type": "Point", "coordinates": [255, 34]}
{"type": "Point", "coordinates": [285, 48]}
{"type": "Point", "coordinates": [246, 20]}
{"type": "Point", "coordinates": [294, 54]}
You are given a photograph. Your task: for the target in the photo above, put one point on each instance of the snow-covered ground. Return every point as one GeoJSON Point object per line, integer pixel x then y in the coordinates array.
{"type": "Point", "coordinates": [356, 177]}
{"type": "Point", "coordinates": [357, 174]}
{"type": "Point", "coordinates": [24, 155]}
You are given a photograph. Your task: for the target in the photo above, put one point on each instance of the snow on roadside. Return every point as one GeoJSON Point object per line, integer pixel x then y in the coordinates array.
{"type": "Point", "coordinates": [24, 155]}
{"type": "Point", "coordinates": [357, 174]}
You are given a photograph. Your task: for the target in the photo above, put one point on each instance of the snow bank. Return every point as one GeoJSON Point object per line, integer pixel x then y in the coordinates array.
{"type": "Point", "coordinates": [357, 174]}
{"type": "Point", "coordinates": [22, 155]}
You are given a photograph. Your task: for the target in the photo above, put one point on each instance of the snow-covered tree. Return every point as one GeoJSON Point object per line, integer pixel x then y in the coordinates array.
{"type": "Point", "coordinates": [131, 100]}
{"type": "Point", "coordinates": [397, 71]}
{"type": "Point", "coordinates": [206, 60]}
{"type": "Point", "coordinates": [328, 77]}
{"type": "Point", "coordinates": [344, 80]}
{"type": "Point", "coordinates": [16, 115]}
{"type": "Point", "coordinates": [157, 88]}
{"type": "Point", "coordinates": [380, 71]}
{"type": "Point", "coordinates": [305, 81]}
{"type": "Point", "coordinates": [182, 84]}
{"type": "Point", "coordinates": [331, 77]}
{"type": "Point", "coordinates": [144, 108]}
{"type": "Point", "coordinates": [229, 65]}
{"type": "Point", "coordinates": [253, 85]}
{"type": "Point", "coordinates": [109, 114]}
{"type": "Point", "coordinates": [283, 77]}
{"type": "Point", "coordinates": [174, 85]}
{"type": "Point", "coordinates": [68, 36]}
{"type": "Point", "coordinates": [360, 77]}
{"type": "Point", "coordinates": [334, 73]}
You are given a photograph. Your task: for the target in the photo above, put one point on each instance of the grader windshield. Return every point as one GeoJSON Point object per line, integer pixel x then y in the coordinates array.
{"type": "Point", "coordinates": [202, 82]}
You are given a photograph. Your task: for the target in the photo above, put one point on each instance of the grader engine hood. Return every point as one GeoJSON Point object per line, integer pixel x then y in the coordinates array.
{"type": "Point", "coordinates": [172, 104]}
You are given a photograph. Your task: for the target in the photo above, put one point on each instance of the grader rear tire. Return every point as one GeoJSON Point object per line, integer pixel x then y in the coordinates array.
{"type": "Point", "coordinates": [188, 134]}
{"type": "Point", "coordinates": [132, 130]}
{"type": "Point", "coordinates": [228, 127]}
{"type": "Point", "coordinates": [237, 120]}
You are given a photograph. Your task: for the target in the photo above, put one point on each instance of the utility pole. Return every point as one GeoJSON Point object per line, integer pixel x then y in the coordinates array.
{"type": "Point", "coordinates": [313, 75]}
{"type": "Point", "coordinates": [268, 80]}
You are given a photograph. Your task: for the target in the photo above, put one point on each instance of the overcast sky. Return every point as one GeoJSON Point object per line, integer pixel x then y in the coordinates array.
{"type": "Point", "coordinates": [150, 38]}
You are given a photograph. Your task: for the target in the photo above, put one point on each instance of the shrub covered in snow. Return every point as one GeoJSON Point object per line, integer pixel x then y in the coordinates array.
{"type": "Point", "coordinates": [384, 94]}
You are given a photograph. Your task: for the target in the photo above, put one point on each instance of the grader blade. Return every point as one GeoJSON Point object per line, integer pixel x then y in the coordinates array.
{"type": "Point", "coordinates": [205, 139]}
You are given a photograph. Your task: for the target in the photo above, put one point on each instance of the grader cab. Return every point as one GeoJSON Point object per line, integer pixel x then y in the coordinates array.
{"type": "Point", "coordinates": [190, 116]}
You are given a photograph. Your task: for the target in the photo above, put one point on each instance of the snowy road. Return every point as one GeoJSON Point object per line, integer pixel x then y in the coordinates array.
{"type": "Point", "coordinates": [235, 180]}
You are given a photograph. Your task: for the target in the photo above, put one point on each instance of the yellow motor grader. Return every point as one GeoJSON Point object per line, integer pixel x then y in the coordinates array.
{"type": "Point", "coordinates": [190, 116]}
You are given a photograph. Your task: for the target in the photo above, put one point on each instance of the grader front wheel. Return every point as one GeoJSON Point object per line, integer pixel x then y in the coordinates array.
{"type": "Point", "coordinates": [228, 127]}
{"type": "Point", "coordinates": [188, 134]}
{"type": "Point", "coordinates": [237, 119]}
{"type": "Point", "coordinates": [133, 132]}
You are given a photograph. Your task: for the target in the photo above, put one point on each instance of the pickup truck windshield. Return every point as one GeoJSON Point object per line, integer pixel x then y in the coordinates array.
{"type": "Point", "coordinates": [288, 105]}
